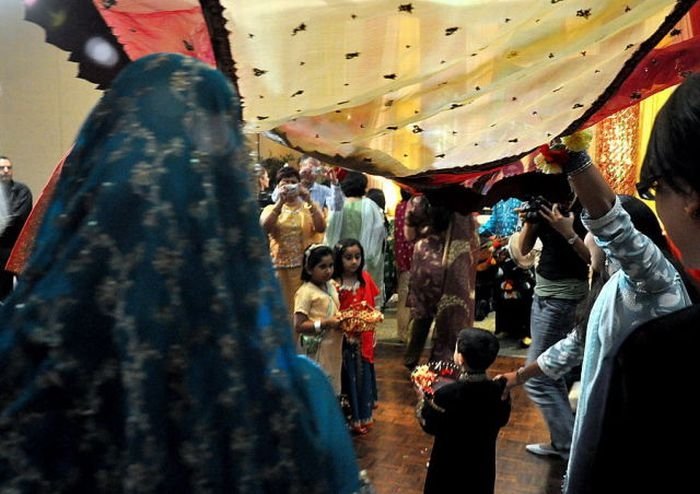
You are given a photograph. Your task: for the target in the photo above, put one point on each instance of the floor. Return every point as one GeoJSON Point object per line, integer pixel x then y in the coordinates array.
{"type": "Point", "coordinates": [396, 450]}
{"type": "Point", "coordinates": [512, 347]}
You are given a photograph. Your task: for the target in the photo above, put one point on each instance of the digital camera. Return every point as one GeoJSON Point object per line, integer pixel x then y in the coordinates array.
{"type": "Point", "coordinates": [291, 188]}
{"type": "Point", "coordinates": [531, 209]}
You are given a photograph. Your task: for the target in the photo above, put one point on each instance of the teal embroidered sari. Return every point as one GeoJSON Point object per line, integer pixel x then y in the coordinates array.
{"type": "Point", "coordinates": [147, 348]}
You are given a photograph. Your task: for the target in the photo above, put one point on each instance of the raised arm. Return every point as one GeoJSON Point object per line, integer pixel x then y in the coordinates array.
{"type": "Point", "coordinates": [590, 187]}
{"type": "Point", "coordinates": [639, 258]}
{"type": "Point", "coordinates": [270, 215]}
{"type": "Point", "coordinates": [527, 237]}
{"type": "Point", "coordinates": [336, 201]}
{"type": "Point", "coordinates": [319, 221]}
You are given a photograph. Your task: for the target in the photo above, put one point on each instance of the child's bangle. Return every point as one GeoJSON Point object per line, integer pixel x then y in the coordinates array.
{"type": "Point", "coordinates": [317, 326]}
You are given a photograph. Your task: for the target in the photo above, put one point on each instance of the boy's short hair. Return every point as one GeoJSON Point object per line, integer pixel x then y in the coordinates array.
{"type": "Point", "coordinates": [478, 347]}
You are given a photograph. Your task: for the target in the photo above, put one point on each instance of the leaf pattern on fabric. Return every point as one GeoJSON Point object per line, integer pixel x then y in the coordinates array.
{"type": "Point", "coordinates": [147, 348]}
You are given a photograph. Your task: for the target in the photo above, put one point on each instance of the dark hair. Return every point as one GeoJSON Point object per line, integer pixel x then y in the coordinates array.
{"type": "Point", "coordinates": [354, 184]}
{"type": "Point", "coordinates": [312, 256]}
{"type": "Point", "coordinates": [478, 347]}
{"type": "Point", "coordinates": [405, 194]}
{"type": "Point", "coordinates": [440, 217]}
{"type": "Point", "coordinates": [3, 157]}
{"type": "Point", "coordinates": [377, 195]}
{"type": "Point", "coordinates": [287, 171]}
{"type": "Point", "coordinates": [583, 308]}
{"type": "Point", "coordinates": [424, 213]}
{"type": "Point", "coordinates": [340, 248]}
{"type": "Point", "coordinates": [644, 220]}
{"type": "Point", "coordinates": [674, 144]}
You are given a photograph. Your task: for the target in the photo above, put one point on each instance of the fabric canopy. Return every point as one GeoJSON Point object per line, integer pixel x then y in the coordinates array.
{"type": "Point", "coordinates": [409, 87]}
{"type": "Point", "coordinates": [400, 88]}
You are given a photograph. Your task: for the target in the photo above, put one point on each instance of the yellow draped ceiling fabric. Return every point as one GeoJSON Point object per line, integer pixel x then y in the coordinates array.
{"type": "Point", "coordinates": [400, 88]}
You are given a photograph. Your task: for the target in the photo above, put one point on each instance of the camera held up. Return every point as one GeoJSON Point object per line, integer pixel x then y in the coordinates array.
{"type": "Point", "coordinates": [530, 209]}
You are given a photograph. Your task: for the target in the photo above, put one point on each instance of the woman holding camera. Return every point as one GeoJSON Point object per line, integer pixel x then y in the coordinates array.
{"type": "Point", "coordinates": [292, 223]}
{"type": "Point", "coordinates": [561, 283]}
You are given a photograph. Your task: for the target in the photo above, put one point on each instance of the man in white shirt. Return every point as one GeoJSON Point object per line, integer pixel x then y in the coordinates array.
{"type": "Point", "coordinates": [329, 198]}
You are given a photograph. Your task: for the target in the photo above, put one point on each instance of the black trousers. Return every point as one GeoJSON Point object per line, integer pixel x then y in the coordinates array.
{"type": "Point", "coordinates": [418, 332]}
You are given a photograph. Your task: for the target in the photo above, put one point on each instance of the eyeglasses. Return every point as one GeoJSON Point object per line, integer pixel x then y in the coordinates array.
{"type": "Point", "coordinates": [647, 188]}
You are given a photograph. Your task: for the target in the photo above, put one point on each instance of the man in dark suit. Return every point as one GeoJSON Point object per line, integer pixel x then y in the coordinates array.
{"type": "Point", "coordinates": [19, 205]}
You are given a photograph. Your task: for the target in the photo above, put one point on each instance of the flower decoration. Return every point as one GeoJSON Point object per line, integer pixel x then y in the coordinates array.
{"type": "Point", "coordinates": [433, 375]}
{"type": "Point", "coordinates": [551, 159]}
{"type": "Point", "coordinates": [554, 158]}
{"type": "Point", "coordinates": [578, 141]}
{"type": "Point", "coordinates": [360, 317]}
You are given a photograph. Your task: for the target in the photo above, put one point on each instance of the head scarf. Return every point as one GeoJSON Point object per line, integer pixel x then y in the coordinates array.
{"type": "Point", "coordinates": [147, 348]}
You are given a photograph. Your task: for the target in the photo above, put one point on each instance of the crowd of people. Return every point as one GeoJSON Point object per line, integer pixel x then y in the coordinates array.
{"type": "Point", "coordinates": [151, 345]}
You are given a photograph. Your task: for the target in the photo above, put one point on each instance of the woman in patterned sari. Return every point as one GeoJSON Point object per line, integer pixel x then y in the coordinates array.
{"type": "Point", "coordinates": [147, 348]}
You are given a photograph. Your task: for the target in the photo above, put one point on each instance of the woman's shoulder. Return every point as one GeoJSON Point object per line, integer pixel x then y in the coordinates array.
{"type": "Point", "coordinates": [267, 209]}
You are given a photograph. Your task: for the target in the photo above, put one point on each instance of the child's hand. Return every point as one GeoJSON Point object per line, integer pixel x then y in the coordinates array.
{"type": "Point", "coordinates": [511, 379]}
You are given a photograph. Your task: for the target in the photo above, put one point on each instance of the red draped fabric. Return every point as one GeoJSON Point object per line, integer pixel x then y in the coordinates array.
{"type": "Point", "coordinates": [25, 242]}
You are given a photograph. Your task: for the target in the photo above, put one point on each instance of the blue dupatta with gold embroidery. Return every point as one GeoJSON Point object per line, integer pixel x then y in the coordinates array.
{"type": "Point", "coordinates": [147, 348]}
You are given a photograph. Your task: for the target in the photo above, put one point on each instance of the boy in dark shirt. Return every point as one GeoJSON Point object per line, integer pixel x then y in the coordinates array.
{"type": "Point", "coordinates": [465, 417]}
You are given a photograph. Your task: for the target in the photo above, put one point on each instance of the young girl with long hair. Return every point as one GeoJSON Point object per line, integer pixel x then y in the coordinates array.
{"type": "Point", "coordinates": [355, 287]}
{"type": "Point", "coordinates": [316, 307]}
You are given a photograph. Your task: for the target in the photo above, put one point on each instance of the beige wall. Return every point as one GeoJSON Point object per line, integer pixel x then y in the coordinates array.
{"type": "Point", "coordinates": [42, 103]}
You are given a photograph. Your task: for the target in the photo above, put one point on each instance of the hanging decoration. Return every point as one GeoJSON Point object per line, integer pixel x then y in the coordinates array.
{"type": "Point", "coordinates": [426, 88]}
{"type": "Point", "coordinates": [616, 149]}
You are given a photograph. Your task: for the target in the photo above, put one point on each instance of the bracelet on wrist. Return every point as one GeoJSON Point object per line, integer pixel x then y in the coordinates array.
{"type": "Point", "coordinates": [317, 326]}
{"type": "Point", "coordinates": [572, 240]}
{"type": "Point", "coordinates": [519, 377]}
{"type": "Point", "coordinates": [578, 162]}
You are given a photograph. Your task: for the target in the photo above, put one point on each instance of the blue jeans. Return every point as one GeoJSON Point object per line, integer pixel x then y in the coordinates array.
{"type": "Point", "coordinates": [550, 320]}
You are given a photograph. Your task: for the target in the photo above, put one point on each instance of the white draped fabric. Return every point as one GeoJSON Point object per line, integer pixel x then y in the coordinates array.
{"type": "Point", "coordinates": [413, 86]}
{"type": "Point", "coordinates": [399, 87]}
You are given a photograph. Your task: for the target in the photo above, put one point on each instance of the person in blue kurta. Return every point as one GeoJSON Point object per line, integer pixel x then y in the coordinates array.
{"type": "Point", "coordinates": [147, 349]}
{"type": "Point", "coordinates": [504, 220]}
{"type": "Point", "coordinates": [643, 284]}
{"type": "Point", "coordinates": [649, 421]}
